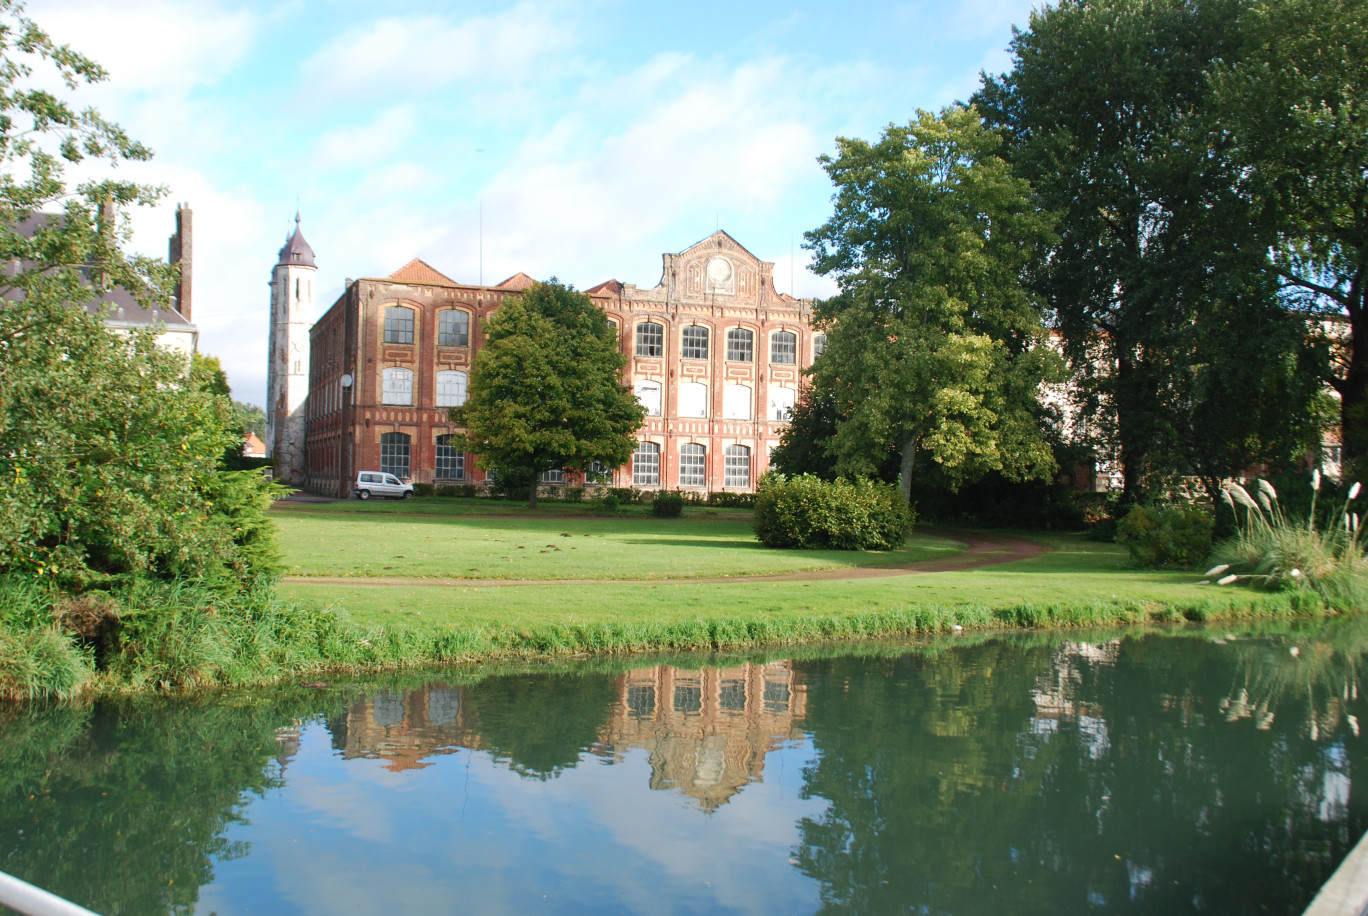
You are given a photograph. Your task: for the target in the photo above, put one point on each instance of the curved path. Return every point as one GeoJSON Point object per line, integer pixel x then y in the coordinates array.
{"type": "Point", "coordinates": [981, 550]}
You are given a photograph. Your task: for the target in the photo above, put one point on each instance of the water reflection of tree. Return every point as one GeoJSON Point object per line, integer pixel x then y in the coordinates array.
{"type": "Point", "coordinates": [540, 723]}
{"type": "Point", "coordinates": [968, 783]}
{"type": "Point", "coordinates": [1314, 680]}
{"type": "Point", "coordinates": [123, 807]}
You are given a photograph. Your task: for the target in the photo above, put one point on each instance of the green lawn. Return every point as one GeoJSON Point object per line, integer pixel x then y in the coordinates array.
{"type": "Point", "coordinates": [1076, 581]}
{"type": "Point", "coordinates": [445, 539]}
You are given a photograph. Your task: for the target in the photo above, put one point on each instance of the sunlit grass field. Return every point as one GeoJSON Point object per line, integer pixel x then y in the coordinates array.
{"type": "Point", "coordinates": [1076, 582]}
{"type": "Point", "coordinates": [392, 540]}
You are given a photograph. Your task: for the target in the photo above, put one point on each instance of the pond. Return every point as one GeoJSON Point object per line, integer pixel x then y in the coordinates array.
{"type": "Point", "coordinates": [1156, 772]}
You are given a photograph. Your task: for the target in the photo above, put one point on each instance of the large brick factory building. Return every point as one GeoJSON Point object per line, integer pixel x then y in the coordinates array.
{"type": "Point", "coordinates": [715, 353]}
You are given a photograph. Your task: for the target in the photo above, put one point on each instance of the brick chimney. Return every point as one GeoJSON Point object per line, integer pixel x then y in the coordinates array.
{"type": "Point", "coordinates": [181, 250]}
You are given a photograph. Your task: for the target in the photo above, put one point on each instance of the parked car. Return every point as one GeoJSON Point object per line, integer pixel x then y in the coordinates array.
{"type": "Point", "coordinates": [377, 483]}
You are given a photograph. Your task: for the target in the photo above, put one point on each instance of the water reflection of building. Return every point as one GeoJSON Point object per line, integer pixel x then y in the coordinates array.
{"type": "Point", "coordinates": [405, 729]}
{"type": "Point", "coordinates": [1056, 693]}
{"type": "Point", "coordinates": [706, 731]}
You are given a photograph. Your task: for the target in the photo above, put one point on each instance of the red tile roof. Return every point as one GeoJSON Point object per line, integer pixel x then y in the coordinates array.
{"type": "Point", "coordinates": [607, 287]}
{"type": "Point", "coordinates": [518, 281]}
{"type": "Point", "coordinates": [419, 271]}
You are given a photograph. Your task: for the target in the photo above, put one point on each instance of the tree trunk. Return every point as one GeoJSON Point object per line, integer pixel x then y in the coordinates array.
{"type": "Point", "coordinates": [1129, 435]}
{"type": "Point", "coordinates": [909, 459]}
{"type": "Point", "coordinates": [534, 479]}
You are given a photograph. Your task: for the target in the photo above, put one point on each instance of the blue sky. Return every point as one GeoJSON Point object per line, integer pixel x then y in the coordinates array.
{"type": "Point", "coordinates": [592, 136]}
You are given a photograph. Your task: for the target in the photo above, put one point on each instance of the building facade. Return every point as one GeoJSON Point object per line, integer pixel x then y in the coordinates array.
{"type": "Point", "coordinates": [715, 354]}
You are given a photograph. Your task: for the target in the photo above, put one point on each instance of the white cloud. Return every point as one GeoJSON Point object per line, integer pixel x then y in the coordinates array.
{"type": "Point", "coordinates": [153, 45]}
{"type": "Point", "coordinates": [377, 141]}
{"type": "Point", "coordinates": [425, 53]}
{"type": "Point", "coordinates": [583, 203]}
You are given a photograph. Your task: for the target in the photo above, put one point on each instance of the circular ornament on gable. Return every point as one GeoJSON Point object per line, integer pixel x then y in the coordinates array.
{"type": "Point", "coordinates": [719, 271]}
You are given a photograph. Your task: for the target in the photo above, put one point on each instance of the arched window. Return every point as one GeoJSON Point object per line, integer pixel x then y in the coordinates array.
{"type": "Point", "coordinates": [398, 325]}
{"type": "Point", "coordinates": [693, 399]}
{"type": "Point", "coordinates": [695, 342]}
{"type": "Point", "coordinates": [693, 465]}
{"type": "Point", "coordinates": [453, 328]}
{"type": "Point", "coordinates": [736, 466]}
{"type": "Point", "coordinates": [394, 454]}
{"type": "Point", "coordinates": [646, 465]}
{"type": "Point", "coordinates": [650, 339]}
{"type": "Point", "coordinates": [648, 393]}
{"type": "Point", "coordinates": [450, 462]}
{"type": "Point", "coordinates": [781, 403]}
{"type": "Point", "coordinates": [736, 402]}
{"type": "Point", "coordinates": [784, 348]}
{"type": "Point", "coordinates": [451, 389]}
{"type": "Point", "coordinates": [740, 345]}
{"type": "Point", "coordinates": [398, 386]}
{"type": "Point", "coordinates": [818, 345]}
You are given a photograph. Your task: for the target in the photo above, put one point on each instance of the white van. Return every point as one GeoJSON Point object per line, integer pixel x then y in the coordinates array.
{"type": "Point", "coordinates": [376, 483]}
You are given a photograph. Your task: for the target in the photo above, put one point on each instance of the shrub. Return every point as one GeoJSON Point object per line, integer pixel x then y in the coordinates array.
{"type": "Point", "coordinates": [445, 490]}
{"type": "Point", "coordinates": [609, 501]}
{"type": "Point", "coordinates": [1166, 535]}
{"type": "Point", "coordinates": [626, 495]}
{"type": "Point", "coordinates": [724, 500]}
{"type": "Point", "coordinates": [1276, 551]}
{"type": "Point", "coordinates": [667, 504]}
{"type": "Point", "coordinates": [574, 494]}
{"type": "Point", "coordinates": [424, 489]}
{"type": "Point", "coordinates": [808, 512]}
{"type": "Point", "coordinates": [511, 483]}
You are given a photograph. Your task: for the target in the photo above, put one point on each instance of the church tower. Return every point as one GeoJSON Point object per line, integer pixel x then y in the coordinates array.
{"type": "Point", "coordinates": [287, 373]}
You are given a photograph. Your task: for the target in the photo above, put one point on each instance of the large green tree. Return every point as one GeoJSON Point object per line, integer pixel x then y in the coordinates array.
{"type": "Point", "coordinates": [546, 389]}
{"type": "Point", "coordinates": [1294, 101]}
{"type": "Point", "coordinates": [935, 345]}
{"type": "Point", "coordinates": [1159, 282]}
{"type": "Point", "coordinates": [109, 444]}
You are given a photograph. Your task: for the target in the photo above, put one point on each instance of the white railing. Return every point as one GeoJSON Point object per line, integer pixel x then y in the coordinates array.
{"type": "Point", "coordinates": [34, 901]}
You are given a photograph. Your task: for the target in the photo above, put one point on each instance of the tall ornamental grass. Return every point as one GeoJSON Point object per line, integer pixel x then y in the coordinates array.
{"type": "Point", "coordinates": [1275, 551]}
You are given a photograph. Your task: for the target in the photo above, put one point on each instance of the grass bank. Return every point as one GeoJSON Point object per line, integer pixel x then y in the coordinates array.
{"type": "Point", "coordinates": [161, 637]}
{"type": "Point", "coordinates": [626, 586]}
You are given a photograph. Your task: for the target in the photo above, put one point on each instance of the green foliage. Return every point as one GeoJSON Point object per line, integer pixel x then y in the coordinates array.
{"type": "Point", "coordinates": [1185, 358]}
{"type": "Point", "coordinates": [510, 483]}
{"type": "Point", "coordinates": [1158, 536]}
{"type": "Point", "coordinates": [997, 501]}
{"type": "Point", "coordinates": [609, 501]}
{"type": "Point", "coordinates": [667, 504]}
{"type": "Point", "coordinates": [1291, 104]}
{"type": "Point", "coordinates": [424, 489]}
{"type": "Point", "coordinates": [723, 499]}
{"type": "Point", "coordinates": [934, 344]}
{"type": "Point", "coordinates": [546, 389]}
{"type": "Point", "coordinates": [1279, 551]}
{"type": "Point", "coordinates": [109, 444]}
{"type": "Point", "coordinates": [808, 512]}
{"type": "Point", "coordinates": [574, 494]}
{"type": "Point", "coordinates": [249, 418]}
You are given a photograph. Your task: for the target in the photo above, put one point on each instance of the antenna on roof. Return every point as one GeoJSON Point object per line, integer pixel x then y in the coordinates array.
{"type": "Point", "coordinates": [482, 243]}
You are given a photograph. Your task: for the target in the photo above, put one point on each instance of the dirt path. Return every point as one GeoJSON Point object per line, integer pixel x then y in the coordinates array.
{"type": "Point", "coordinates": [981, 550]}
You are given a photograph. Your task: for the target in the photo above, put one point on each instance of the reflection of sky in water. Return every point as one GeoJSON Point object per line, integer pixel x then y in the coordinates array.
{"type": "Point", "coordinates": [468, 835]}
